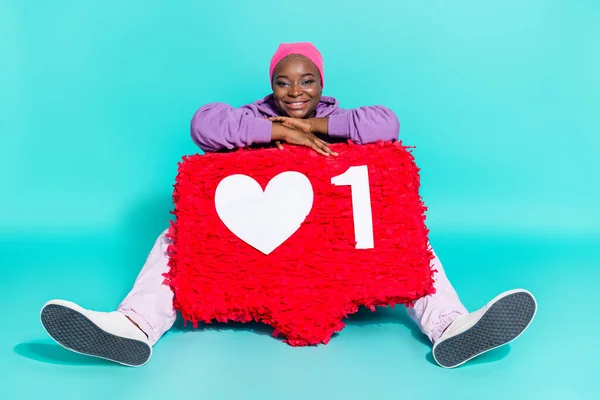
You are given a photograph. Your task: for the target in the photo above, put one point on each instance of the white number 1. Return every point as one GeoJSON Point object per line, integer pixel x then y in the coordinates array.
{"type": "Point", "coordinates": [358, 180]}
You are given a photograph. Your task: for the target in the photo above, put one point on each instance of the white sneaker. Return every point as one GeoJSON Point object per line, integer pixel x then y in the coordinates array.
{"type": "Point", "coordinates": [500, 322]}
{"type": "Point", "coordinates": [111, 335]}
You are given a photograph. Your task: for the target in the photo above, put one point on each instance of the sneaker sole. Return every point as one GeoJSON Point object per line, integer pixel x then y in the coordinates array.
{"type": "Point", "coordinates": [502, 323]}
{"type": "Point", "coordinates": [74, 331]}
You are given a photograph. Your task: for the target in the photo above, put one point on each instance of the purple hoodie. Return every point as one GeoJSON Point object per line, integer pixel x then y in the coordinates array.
{"type": "Point", "coordinates": [218, 126]}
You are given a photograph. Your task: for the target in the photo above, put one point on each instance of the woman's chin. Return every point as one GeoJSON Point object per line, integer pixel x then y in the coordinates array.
{"type": "Point", "coordinates": [297, 113]}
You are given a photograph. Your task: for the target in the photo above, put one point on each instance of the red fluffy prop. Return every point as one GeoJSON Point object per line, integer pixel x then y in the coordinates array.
{"type": "Point", "coordinates": [316, 278]}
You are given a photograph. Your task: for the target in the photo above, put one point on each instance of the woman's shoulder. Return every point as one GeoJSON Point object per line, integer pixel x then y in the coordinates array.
{"type": "Point", "coordinates": [265, 106]}
{"type": "Point", "coordinates": [327, 106]}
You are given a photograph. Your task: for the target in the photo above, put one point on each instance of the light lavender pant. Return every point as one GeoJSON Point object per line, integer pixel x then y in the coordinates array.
{"type": "Point", "coordinates": [150, 303]}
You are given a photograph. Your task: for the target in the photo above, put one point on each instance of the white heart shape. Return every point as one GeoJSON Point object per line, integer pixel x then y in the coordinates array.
{"type": "Point", "coordinates": [266, 219]}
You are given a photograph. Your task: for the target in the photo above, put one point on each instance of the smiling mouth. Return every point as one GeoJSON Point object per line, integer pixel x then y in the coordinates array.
{"type": "Point", "coordinates": [296, 105]}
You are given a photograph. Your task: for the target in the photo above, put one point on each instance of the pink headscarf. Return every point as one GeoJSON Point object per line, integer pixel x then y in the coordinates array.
{"type": "Point", "coordinates": [305, 49]}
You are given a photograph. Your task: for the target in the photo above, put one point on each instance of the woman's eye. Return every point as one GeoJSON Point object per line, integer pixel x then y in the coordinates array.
{"type": "Point", "coordinates": [308, 82]}
{"type": "Point", "coordinates": [281, 84]}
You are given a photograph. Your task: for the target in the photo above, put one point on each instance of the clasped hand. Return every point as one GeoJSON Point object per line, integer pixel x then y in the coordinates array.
{"type": "Point", "coordinates": [300, 132]}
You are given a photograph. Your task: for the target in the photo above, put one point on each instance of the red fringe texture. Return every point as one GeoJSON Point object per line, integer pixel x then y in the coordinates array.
{"type": "Point", "coordinates": [307, 286]}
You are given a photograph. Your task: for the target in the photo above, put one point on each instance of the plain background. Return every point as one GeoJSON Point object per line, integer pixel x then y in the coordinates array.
{"type": "Point", "coordinates": [501, 100]}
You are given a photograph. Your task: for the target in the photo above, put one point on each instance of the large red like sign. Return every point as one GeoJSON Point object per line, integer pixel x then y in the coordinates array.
{"type": "Point", "coordinates": [297, 240]}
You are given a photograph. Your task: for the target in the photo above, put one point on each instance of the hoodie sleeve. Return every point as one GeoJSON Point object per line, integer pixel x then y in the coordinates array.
{"type": "Point", "coordinates": [365, 124]}
{"type": "Point", "coordinates": [218, 126]}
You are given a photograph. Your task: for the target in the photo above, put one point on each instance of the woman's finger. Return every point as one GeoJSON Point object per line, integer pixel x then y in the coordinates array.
{"type": "Point", "coordinates": [325, 147]}
{"type": "Point", "coordinates": [319, 150]}
{"type": "Point", "coordinates": [279, 145]}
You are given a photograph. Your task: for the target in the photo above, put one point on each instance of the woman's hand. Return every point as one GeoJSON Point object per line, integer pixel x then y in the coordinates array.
{"type": "Point", "coordinates": [310, 125]}
{"type": "Point", "coordinates": [302, 125]}
{"type": "Point", "coordinates": [282, 133]}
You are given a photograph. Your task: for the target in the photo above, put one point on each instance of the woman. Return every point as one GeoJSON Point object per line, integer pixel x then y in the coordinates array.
{"type": "Point", "coordinates": [297, 114]}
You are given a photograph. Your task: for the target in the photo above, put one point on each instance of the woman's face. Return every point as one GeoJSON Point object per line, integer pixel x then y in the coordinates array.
{"type": "Point", "coordinates": [296, 87]}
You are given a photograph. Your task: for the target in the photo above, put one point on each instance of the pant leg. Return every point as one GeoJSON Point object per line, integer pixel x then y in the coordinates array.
{"type": "Point", "coordinates": [150, 303]}
{"type": "Point", "coordinates": [433, 313]}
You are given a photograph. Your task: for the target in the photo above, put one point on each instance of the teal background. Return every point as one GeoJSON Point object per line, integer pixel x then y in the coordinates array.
{"type": "Point", "coordinates": [501, 100]}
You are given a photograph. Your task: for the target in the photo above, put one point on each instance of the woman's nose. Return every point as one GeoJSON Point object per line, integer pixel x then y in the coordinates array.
{"type": "Point", "coordinates": [295, 90]}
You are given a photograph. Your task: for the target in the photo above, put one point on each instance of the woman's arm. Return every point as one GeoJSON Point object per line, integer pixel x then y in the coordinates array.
{"type": "Point", "coordinates": [364, 125]}
{"type": "Point", "coordinates": [218, 126]}
{"type": "Point", "coordinates": [361, 125]}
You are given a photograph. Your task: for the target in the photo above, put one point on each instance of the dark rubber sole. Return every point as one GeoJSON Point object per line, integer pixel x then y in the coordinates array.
{"type": "Point", "coordinates": [76, 332]}
{"type": "Point", "coordinates": [503, 322]}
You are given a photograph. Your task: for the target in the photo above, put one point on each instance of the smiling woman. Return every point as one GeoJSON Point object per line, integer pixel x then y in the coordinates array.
{"type": "Point", "coordinates": [295, 112]}
{"type": "Point", "coordinates": [298, 114]}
